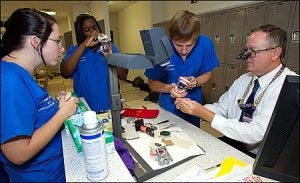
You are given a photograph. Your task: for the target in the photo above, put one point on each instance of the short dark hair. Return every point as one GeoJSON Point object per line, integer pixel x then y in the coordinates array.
{"type": "Point", "coordinates": [25, 22]}
{"type": "Point", "coordinates": [78, 29]}
{"type": "Point", "coordinates": [276, 37]}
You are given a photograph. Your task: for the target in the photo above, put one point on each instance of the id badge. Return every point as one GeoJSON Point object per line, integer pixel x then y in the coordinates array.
{"type": "Point", "coordinates": [247, 119]}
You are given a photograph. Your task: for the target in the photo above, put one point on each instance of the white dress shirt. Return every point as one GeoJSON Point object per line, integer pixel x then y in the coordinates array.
{"type": "Point", "coordinates": [228, 111]}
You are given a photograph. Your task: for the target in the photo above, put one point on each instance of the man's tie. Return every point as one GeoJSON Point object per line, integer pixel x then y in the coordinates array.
{"type": "Point", "coordinates": [247, 112]}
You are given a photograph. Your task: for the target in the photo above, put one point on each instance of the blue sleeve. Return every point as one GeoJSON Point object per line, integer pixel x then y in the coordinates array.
{"type": "Point", "coordinates": [210, 57]}
{"type": "Point", "coordinates": [18, 110]}
{"type": "Point", "coordinates": [114, 49]}
{"type": "Point", "coordinates": [155, 73]}
{"type": "Point", "coordinates": [70, 51]}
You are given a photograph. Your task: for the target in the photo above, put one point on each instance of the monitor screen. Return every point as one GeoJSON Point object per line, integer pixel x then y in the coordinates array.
{"type": "Point", "coordinates": [278, 157]}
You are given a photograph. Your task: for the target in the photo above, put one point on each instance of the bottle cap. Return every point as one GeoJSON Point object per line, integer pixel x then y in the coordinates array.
{"type": "Point", "coordinates": [90, 118]}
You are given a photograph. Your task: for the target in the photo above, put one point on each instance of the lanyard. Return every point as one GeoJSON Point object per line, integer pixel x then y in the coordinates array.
{"type": "Point", "coordinates": [257, 101]}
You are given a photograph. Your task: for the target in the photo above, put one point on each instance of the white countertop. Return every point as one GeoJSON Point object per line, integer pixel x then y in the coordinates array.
{"type": "Point", "coordinates": [215, 152]}
{"type": "Point", "coordinates": [75, 167]}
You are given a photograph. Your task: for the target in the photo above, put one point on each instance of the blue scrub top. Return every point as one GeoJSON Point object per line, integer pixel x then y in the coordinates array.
{"type": "Point", "coordinates": [91, 79]}
{"type": "Point", "coordinates": [202, 59]}
{"type": "Point", "coordinates": [25, 107]}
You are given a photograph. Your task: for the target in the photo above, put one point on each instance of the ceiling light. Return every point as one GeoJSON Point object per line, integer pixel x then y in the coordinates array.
{"type": "Point", "coordinates": [49, 11]}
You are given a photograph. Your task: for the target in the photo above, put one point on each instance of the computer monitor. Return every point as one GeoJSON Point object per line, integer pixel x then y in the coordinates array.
{"type": "Point", "coordinates": [278, 157]}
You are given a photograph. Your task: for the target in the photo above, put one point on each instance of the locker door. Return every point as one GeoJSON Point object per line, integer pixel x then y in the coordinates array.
{"type": "Point", "coordinates": [243, 69]}
{"type": "Point", "coordinates": [207, 28]}
{"type": "Point", "coordinates": [207, 25]}
{"type": "Point", "coordinates": [216, 84]}
{"type": "Point", "coordinates": [255, 17]}
{"type": "Point", "coordinates": [235, 35]}
{"type": "Point", "coordinates": [279, 14]}
{"type": "Point", "coordinates": [231, 73]}
{"type": "Point", "coordinates": [220, 32]}
{"type": "Point", "coordinates": [292, 57]}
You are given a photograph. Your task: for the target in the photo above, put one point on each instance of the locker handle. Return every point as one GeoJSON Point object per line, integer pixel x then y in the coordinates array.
{"type": "Point", "coordinates": [213, 86]}
{"type": "Point", "coordinates": [232, 38]}
{"type": "Point", "coordinates": [217, 38]}
{"type": "Point", "coordinates": [295, 36]}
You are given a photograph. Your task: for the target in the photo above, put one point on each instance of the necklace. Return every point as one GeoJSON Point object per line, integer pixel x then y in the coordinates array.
{"type": "Point", "coordinates": [257, 101]}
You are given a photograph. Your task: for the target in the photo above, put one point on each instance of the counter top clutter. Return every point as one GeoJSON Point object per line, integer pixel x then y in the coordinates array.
{"type": "Point", "coordinates": [215, 152]}
{"type": "Point", "coordinates": [206, 152]}
{"type": "Point", "coordinates": [154, 150]}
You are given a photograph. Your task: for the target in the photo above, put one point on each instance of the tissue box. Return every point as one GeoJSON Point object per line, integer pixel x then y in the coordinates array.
{"type": "Point", "coordinates": [73, 123]}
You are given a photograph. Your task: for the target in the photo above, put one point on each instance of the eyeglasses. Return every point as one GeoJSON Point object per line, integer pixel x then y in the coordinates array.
{"type": "Point", "coordinates": [250, 52]}
{"type": "Point", "coordinates": [58, 42]}
{"type": "Point", "coordinates": [254, 52]}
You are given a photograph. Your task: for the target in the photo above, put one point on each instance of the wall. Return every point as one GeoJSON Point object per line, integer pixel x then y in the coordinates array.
{"type": "Point", "coordinates": [99, 9]}
{"type": "Point", "coordinates": [63, 24]}
{"type": "Point", "coordinates": [131, 20]}
{"type": "Point", "coordinates": [114, 26]}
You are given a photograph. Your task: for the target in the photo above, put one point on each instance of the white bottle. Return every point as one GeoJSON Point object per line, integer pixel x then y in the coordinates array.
{"type": "Point", "coordinates": [93, 147]}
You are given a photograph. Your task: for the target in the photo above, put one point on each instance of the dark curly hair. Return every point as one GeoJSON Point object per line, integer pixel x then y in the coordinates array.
{"type": "Point", "coordinates": [78, 26]}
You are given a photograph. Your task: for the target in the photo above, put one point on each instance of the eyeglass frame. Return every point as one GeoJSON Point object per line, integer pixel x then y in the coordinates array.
{"type": "Point", "coordinates": [256, 51]}
{"type": "Point", "coordinates": [58, 42]}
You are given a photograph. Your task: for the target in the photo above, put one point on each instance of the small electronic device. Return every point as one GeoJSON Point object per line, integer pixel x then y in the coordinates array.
{"type": "Point", "coordinates": [182, 83]}
{"type": "Point", "coordinates": [105, 42]}
{"type": "Point", "coordinates": [139, 126]}
{"type": "Point", "coordinates": [278, 157]}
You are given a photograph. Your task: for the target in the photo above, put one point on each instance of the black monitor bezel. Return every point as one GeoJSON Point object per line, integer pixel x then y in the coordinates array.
{"type": "Point", "coordinates": [288, 136]}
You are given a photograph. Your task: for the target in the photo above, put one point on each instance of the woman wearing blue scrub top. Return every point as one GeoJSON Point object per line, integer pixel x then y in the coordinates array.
{"type": "Point", "coordinates": [31, 147]}
{"type": "Point", "coordinates": [86, 64]}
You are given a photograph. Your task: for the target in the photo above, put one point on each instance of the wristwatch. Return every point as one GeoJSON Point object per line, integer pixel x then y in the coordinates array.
{"type": "Point", "coordinates": [197, 84]}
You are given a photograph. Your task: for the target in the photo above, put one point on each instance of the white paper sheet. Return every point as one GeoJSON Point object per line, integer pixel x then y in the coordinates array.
{"type": "Point", "coordinates": [183, 146]}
